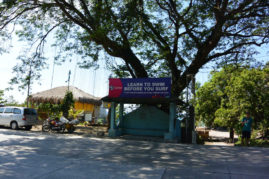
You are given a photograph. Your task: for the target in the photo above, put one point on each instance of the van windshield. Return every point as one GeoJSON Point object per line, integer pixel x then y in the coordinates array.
{"type": "Point", "coordinates": [29, 111]}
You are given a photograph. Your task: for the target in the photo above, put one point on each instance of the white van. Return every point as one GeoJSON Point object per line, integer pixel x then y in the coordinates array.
{"type": "Point", "coordinates": [16, 117]}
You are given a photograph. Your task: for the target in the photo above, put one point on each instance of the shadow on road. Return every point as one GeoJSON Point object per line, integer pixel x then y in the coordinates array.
{"type": "Point", "coordinates": [43, 152]}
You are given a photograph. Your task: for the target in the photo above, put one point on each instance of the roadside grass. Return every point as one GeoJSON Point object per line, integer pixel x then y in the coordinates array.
{"type": "Point", "coordinates": [255, 143]}
{"type": "Point", "coordinates": [255, 140]}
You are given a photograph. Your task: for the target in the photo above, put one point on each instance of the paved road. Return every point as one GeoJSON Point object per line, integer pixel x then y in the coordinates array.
{"type": "Point", "coordinates": [36, 155]}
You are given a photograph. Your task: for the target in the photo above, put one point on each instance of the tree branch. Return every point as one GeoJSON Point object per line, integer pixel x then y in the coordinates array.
{"type": "Point", "coordinates": [16, 16]}
{"type": "Point", "coordinates": [42, 41]}
{"type": "Point", "coordinates": [231, 50]}
{"type": "Point", "coordinates": [87, 12]}
{"type": "Point", "coordinates": [119, 28]}
{"type": "Point", "coordinates": [63, 5]}
{"type": "Point", "coordinates": [130, 70]}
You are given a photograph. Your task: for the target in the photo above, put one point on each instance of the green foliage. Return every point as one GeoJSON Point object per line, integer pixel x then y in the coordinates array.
{"type": "Point", "coordinates": [60, 109]}
{"type": "Point", "coordinates": [74, 113]}
{"type": "Point", "coordinates": [230, 93]}
{"type": "Point", "coordinates": [2, 101]}
{"type": "Point", "coordinates": [27, 72]}
{"type": "Point", "coordinates": [199, 139]}
{"type": "Point", "coordinates": [50, 109]}
{"type": "Point", "coordinates": [67, 103]}
{"type": "Point", "coordinates": [150, 38]}
{"type": "Point", "coordinates": [255, 143]}
{"type": "Point", "coordinates": [100, 121]}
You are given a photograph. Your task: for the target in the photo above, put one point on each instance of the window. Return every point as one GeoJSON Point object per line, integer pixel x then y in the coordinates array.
{"type": "Point", "coordinates": [9, 110]}
{"type": "Point", "coordinates": [2, 110]}
{"type": "Point", "coordinates": [29, 111]}
{"type": "Point", "coordinates": [17, 111]}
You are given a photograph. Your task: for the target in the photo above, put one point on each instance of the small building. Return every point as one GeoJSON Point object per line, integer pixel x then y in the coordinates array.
{"type": "Point", "coordinates": [83, 101]}
{"type": "Point", "coordinates": [147, 120]}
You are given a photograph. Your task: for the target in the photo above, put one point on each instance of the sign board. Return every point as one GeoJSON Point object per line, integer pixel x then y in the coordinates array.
{"type": "Point", "coordinates": [88, 117]}
{"type": "Point", "coordinates": [140, 87]}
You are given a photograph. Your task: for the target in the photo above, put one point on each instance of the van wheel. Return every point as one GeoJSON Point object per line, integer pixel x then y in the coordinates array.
{"type": "Point", "coordinates": [28, 128]}
{"type": "Point", "coordinates": [14, 125]}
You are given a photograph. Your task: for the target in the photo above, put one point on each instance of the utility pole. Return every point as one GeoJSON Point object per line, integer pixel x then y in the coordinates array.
{"type": "Point", "coordinates": [29, 83]}
{"type": "Point", "coordinates": [190, 121]}
{"type": "Point", "coordinates": [68, 80]}
{"type": "Point", "coordinates": [28, 86]}
{"type": "Point", "coordinates": [187, 111]}
{"type": "Point", "coordinates": [52, 76]}
{"type": "Point", "coordinates": [192, 110]}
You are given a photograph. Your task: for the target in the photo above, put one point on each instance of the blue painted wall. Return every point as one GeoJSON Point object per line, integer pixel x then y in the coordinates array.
{"type": "Point", "coordinates": [146, 120]}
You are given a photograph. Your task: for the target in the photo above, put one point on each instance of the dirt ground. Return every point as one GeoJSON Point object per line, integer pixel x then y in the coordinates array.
{"type": "Point", "coordinates": [90, 131]}
{"type": "Point", "coordinates": [215, 137]}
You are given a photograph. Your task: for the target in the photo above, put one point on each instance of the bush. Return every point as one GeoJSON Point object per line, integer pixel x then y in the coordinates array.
{"type": "Point", "coordinates": [254, 142]}
{"type": "Point", "coordinates": [199, 139]}
{"type": "Point", "coordinates": [259, 142]}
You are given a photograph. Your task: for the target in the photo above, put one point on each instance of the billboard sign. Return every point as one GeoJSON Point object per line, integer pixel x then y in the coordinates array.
{"type": "Point", "coordinates": [140, 87]}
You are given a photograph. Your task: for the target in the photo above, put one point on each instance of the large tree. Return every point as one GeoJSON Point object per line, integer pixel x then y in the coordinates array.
{"type": "Point", "coordinates": [152, 38]}
{"type": "Point", "coordinates": [225, 98]}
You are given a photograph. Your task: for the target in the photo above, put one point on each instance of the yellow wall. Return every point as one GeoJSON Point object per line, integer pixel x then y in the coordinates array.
{"type": "Point", "coordinates": [84, 106]}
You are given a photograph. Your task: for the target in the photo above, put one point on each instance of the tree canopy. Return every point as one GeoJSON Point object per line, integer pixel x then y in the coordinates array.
{"type": "Point", "coordinates": [67, 103]}
{"type": "Point", "coordinates": [2, 101]}
{"type": "Point", "coordinates": [230, 93]}
{"type": "Point", "coordinates": [153, 38]}
{"type": "Point", "coordinates": [27, 71]}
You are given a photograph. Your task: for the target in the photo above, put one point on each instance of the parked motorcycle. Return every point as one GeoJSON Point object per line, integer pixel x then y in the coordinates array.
{"type": "Point", "coordinates": [59, 125]}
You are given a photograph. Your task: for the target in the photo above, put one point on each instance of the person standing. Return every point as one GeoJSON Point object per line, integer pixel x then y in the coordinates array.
{"type": "Point", "coordinates": [246, 130]}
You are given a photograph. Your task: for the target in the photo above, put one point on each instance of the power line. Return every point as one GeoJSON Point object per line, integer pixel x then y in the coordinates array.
{"type": "Point", "coordinates": [52, 76]}
{"type": "Point", "coordinates": [74, 77]}
{"type": "Point", "coordinates": [94, 76]}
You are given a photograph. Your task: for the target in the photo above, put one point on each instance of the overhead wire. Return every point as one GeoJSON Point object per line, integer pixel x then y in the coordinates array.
{"type": "Point", "coordinates": [75, 71]}
{"type": "Point", "coordinates": [52, 76]}
{"type": "Point", "coordinates": [94, 76]}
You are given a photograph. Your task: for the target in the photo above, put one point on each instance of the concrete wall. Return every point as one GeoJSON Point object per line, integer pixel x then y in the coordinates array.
{"type": "Point", "coordinates": [146, 120]}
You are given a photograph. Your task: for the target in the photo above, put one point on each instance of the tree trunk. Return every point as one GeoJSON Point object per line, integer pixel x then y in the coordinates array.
{"type": "Point", "coordinates": [232, 134]}
{"type": "Point", "coordinates": [130, 58]}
